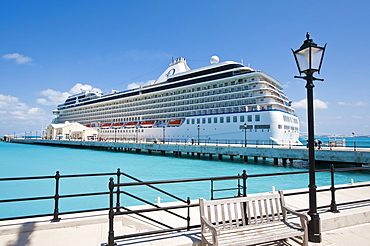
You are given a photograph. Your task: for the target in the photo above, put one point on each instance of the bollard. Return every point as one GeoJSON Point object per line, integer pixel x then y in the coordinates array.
{"type": "Point", "coordinates": [158, 200]}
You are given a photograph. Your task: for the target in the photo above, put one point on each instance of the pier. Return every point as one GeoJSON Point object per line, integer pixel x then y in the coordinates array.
{"type": "Point", "coordinates": [280, 154]}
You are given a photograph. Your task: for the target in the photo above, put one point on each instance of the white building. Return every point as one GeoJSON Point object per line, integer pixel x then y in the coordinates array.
{"type": "Point", "coordinates": [73, 131]}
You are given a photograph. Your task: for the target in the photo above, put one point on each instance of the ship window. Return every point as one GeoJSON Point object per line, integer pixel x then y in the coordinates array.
{"type": "Point", "coordinates": [249, 118]}
{"type": "Point", "coordinates": [215, 120]}
{"type": "Point", "coordinates": [188, 121]}
{"type": "Point", "coordinates": [221, 119]}
{"type": "Point", "coordinates": [228, 119]}
{"type": "Point", "coordinates": [209, 120]}
{"type": "Point", "coordinates": [198, 121]}
{"type": "Point", "coordinates": [203, 120]}
{"type": "Point", "coordinates": [235, 118]}
{"type": "Point", "coordinates": [257, 117]}
{"type": "Point", "coordinates": [192, 121]}
{"type": "Point", "coordinates": [242, 118]}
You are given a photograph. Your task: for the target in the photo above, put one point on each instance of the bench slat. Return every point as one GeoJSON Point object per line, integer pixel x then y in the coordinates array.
{"type": "Point", "coordinates": [249, 220]}
{"type": "Point", "coordinates": [216, 215]}
{"type": "Point", "coordinates": [230, 218]}
{"type": "Point", "coordinates": [235, 208]}
{"type": "Point", "coordinates": [256, 234]}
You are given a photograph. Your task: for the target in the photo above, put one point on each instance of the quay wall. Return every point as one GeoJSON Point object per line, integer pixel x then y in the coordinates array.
{"type": "Point", "coordinates": [341, 155]}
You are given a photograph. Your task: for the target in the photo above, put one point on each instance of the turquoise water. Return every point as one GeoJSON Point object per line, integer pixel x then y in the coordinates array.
{"type": "Point", "coordinates": [20, 160]}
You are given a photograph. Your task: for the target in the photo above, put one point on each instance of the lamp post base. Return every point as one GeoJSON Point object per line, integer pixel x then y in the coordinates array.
{"type": "Point", "coordinates": [314, 229]}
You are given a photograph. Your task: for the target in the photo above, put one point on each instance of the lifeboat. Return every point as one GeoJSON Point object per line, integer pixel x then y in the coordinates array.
{"type": "Point", "coordinates": [131, 124]}
{"type": "Point", "coordinates": [174, 123]}
{"type": "Point", "coordinates": [147, 124]}
{"type": "Point", "coordinates": [105, 126]}
{"type": "Point", "coordinates": [88, 126]}
{"type": "Point", "coordinates": [117, 125]}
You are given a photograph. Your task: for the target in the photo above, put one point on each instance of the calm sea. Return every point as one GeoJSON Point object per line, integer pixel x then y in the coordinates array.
{"type": "Point", "coordinates": [20, 160]}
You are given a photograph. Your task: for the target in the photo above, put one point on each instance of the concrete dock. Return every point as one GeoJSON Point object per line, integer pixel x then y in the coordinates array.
{"type": "Point", "coordinates": [349, 227]}
{"type": "Point", "coordinates": [358, 156]}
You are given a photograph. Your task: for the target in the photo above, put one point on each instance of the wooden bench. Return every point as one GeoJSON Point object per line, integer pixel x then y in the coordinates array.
{"type": "Point", "coordinates": [249, 220]}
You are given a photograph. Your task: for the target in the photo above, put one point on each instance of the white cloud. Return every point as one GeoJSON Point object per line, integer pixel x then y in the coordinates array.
{"type": "Point", "coordinates": [57, 97]}
{"type": "Point", "coordinates": [138, 84]}
{"type": "Point", "coordinates": [361, 104]}
{"type": "Point", "coordinates": [353, 104]}
{"type": "Point", "coordinates": [360, 116]}
{"type": "Point", "coordinates": [16, 115]}
{"type": "Point", "coordinates": [318, 104]}
{"type": "Point", "coordinates": [52, 97]}
{"type": "Point", "coordinates": [18, 58]}
{"type": "Point", "coordinates": [77, 88]}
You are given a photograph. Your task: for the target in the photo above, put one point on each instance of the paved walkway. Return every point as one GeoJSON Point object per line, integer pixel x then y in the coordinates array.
{"type": "Point", "coordinates": [349, 227]}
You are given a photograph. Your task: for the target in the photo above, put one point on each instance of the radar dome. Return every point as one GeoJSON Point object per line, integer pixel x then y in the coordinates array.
{"type": "Point", "coordinates": [214, 59]}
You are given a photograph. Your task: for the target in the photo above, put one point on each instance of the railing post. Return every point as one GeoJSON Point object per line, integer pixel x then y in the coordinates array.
{"type": "Point", "coordinates": [245, 176]}
{"type": "Point", "coordinates": [354, 145]}
{"type": "Point", "coordinates": [211, 189]}
{"type": "Point", "coordinates": [333, 205]}
{"type": "Point", "coordinates": [188, 218]}
{"type": "Point", "coordinates": [56, 199]}
{"type": "Point", "coordinates": [239, 194]}
{"type": "Point", "coordinates": [245, 194]}
{"type": "Point", "coordinates": [111, 213]}
{"type": "Point", "coordinates": [118, 205]}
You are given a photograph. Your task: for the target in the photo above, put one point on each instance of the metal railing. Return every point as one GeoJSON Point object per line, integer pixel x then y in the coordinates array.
{"type": "Point", "coordinates": [56, 197]}
{"type": "Point", "coordinates": [327, 144]}
{"type": "Point", "coordinates": [118, 189]}
{"type": "Point", "coordinates": [240, 188]}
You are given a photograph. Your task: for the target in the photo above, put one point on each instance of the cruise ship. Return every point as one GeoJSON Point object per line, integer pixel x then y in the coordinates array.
{"type": "Point", "coordinates": [219, 102]}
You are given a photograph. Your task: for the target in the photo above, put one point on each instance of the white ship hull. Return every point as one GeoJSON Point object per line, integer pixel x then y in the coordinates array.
{"type": "Point", "coordinates": [216, 132]}
{"type": "Point", "coordinates": [222, 102]}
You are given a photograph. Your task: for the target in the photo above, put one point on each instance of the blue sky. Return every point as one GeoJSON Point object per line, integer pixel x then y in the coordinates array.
{"type": "Point", "coordinates": [50, 49]}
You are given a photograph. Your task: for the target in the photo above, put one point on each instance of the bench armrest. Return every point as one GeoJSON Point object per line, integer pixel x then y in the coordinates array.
{"type": "Point", "coordinates": [292, 211]}
{"type": "Point", "coordinates": [211, 226]}
{"type": "Point", "coordinates": [304, 222]}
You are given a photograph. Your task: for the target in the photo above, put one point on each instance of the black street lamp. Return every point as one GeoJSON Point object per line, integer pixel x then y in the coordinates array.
{"type": "Point", "coordinates": [245, 134]}
{"type": "Point", "coordinates": [309, 58]}
{"type": "Point", "coordinates": [164, 134]}
{"type": "Point", "coordinates": [137, 134]}
{"type": "Point", "coordinates": [198, 132]}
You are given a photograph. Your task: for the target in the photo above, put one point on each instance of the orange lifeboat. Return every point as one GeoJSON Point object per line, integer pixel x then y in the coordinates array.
{"type": "Point", "coordinates": [105, 126]}
{"type": "Point", "coordinates": [131, 124]}
{"type": "Point", "coordinates": [147, 124]}
{"type": "Point", "coordinates": [117, 125]}
{"type": "Point", "coordinates": [174, 123]}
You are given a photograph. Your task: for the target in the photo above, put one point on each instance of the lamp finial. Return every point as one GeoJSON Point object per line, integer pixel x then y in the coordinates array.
{"type": "Point", "coordinates": [308, 35]}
